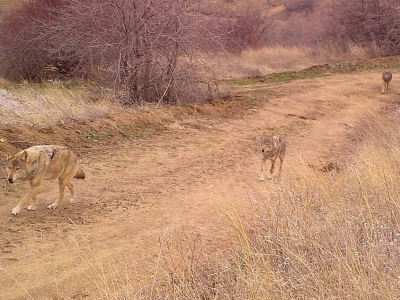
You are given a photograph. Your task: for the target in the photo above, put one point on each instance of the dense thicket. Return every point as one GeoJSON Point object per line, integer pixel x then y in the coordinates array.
{"type": "Point", "coordinates": [150, 49]}
{"type": "Point", "coordinates": [24, 50]}
{"type": "Point", "coordinates": [370, 23]}
{"type": "Point", "coordinates": [143, 49]}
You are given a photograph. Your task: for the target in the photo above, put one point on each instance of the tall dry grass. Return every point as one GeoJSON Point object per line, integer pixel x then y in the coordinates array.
{"type": "Point", "coordinates": [51, 103]}
{"type": "Point", "coordinates": [263, 61]}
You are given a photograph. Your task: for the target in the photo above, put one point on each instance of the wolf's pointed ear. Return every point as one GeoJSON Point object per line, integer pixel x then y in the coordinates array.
{"type": "Point", "coordinates": [24, 156]}
{"type": "Point", "coordinates": [264, 135]}
{"type": "Point", "coordinates": [8, 156]}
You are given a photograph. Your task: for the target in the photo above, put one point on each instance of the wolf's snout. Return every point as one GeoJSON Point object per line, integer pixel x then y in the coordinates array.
{"type": "Point", "coordinates": [10, 180]}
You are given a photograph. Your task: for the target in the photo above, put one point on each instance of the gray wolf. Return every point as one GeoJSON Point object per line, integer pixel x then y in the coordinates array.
{"type": "Point", "coordinates": [272, 147]}
{"type": "Point", "coordinates": [43, 162]}
{"type": "Point", "coordinates": [386, 77]}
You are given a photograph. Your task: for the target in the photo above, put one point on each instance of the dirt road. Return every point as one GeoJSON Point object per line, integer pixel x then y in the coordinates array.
{"type": "Point", "coordinates": [139, 192]}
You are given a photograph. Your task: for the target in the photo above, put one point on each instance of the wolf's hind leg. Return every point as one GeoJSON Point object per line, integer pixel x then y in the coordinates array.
{"type": "Point", "coordinates": [281, 163]}
{"type": "Point", "coordinates": [271, 171]}
{"type": "Point", "coordinates": [62, 183]}
{"type": "Point", "coordinates": [72, 191]}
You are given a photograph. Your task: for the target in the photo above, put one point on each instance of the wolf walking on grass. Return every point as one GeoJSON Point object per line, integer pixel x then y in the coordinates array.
{"type": "Point", "coordinates": [271, 148]}
{"type": "Point", "coordinates": [386, 77]}
{"type": "Point", "coordinates": [43, 162]}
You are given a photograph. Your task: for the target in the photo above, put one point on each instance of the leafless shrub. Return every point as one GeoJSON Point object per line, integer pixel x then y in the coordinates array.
{"type": "Point", "coordinates": [371, 23]}
{"type": "Point", "coordinates": [143, 49]}
{"type": "Point", "coordinates": [246, 30]}
{"type": "Point", "coordinates": [300, 6]}
{"type": "Point", "coordinates": [137, 42]}
{"type": "Point", "coordinates": [23, 53]}
{"type": "Point", "coordinates": [251, 29]}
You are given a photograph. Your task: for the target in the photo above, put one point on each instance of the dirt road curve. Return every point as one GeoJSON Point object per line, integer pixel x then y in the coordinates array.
{"type": "Point", "coordinates": [184, 179]}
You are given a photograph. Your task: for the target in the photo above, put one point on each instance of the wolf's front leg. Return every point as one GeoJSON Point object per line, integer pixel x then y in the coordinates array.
{"type": "Point", "coordinates": [31, 195]}
{"type": "Point", "coordinates": [262, 174]}
{"type": "Point", "coordinates": [15, 211]}
{"type": "Point", "coordinates": [271, 171]}
{"type": "Point", "coordinates": [33, 204]}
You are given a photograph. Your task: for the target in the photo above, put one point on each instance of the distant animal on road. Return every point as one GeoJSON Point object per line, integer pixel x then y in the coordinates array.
{"type": "Point", "coordinates": [43, 162]}
{"type": "Point", "coordinates": [386, 77]}
{"type": "Point", "coordinates": [272, 147]}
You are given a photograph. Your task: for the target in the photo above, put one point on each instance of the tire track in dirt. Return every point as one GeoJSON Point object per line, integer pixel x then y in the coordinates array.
{"type": "Point", "coordinates": [185, 178]}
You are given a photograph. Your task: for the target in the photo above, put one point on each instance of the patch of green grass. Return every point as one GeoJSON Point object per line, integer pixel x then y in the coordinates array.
{"type": "Point", "coordinates": [289, 128]}
{"type": "Point", "coordinates": [213, 140]}
{"type": "Point", "coordinates": [35, 218]}
{"type": "Point", "coordinates": [122, 130]}
{"type": "Point", "coordinates": [393, 66]}
{"type": "Point", "coordinates": [90, 135]}
{"type": "Point", "coordinates": [284, 77]}
{"type": "Point", "coordinates": [140, 131]}
{"type": "Point", "coordinates": [242, 81]}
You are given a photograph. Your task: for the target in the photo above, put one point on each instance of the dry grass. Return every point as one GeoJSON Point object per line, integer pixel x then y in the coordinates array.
{"type": "Point", "coordinates": [277, 59]}
{"type": "Point", "coordinates": [52, 103]}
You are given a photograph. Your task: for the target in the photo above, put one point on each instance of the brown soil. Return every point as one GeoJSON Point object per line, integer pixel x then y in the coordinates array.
{"type": "Point", "coordinates": [154, 173]}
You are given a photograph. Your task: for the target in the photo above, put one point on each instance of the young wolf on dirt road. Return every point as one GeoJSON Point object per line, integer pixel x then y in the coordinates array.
{"type": "Point", "coordinates": [43, 162]}
{"type": "Point", "coordinates": [386, 77]}
{"type": "Point", "coordinates": [272, 147]}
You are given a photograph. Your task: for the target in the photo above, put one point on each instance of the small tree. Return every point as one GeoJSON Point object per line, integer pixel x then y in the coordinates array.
{"type": "Point", "coordinates": [137, 42]}
{"type": "Point", "coordinates": [141, 47]}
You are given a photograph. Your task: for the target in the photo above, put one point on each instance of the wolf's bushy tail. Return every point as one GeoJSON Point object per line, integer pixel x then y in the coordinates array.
{"type": "Point", "coordinates": [79, 173]}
